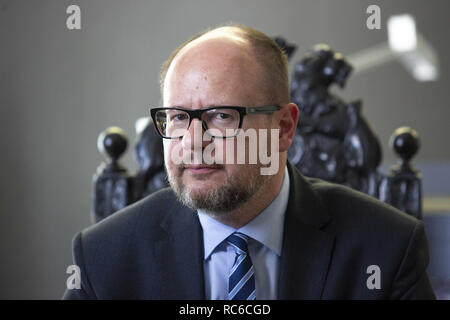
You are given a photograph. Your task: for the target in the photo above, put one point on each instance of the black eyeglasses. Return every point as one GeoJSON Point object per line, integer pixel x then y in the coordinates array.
{"type": "Point", "coordinates": [219, 121]}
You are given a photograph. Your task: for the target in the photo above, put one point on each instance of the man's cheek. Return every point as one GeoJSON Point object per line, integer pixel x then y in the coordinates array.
{"type": "Point", "coordinates": [173, 154]}
{"type": "Point", "coordinates": [166, 149]}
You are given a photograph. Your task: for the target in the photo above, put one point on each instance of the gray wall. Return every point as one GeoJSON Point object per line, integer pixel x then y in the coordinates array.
{"type": "Point", "coordinates": [59, 89]}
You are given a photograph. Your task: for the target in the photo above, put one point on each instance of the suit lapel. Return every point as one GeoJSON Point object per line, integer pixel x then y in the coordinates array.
{"type": "Point", "coordinates": [180, 255]}
{"type": "Point", "coordinates": [307, 250]}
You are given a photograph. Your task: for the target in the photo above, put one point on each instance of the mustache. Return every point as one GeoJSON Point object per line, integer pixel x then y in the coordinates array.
{"type": "Point", "coordinates": [183, 166]}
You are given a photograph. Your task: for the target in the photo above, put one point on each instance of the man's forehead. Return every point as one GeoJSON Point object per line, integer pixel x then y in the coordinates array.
{"type": "Point", "coordinates": [219, 48]}
{"type": "Point", "coordinates": [217, 40]}
{"type": "Point", "coordinates": [222, 58]}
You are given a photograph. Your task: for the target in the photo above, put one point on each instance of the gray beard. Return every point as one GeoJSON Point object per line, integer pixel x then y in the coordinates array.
{"type": "Point", "coordinates": [221, 201]}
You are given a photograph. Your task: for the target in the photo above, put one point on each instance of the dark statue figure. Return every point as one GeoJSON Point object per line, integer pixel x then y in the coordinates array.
{"type": "Point", "coordinates": [114, 188]}
{"type": "Point", "coordinates": [150, 157]}
{"type": "Point", "coordinates": [288, 48]}
{"type": "Point", "coordinates": [333, 141]}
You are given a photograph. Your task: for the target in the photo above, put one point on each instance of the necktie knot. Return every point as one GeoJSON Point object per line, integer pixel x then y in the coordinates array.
{"type": "Point", "coordinates": [239, 241]}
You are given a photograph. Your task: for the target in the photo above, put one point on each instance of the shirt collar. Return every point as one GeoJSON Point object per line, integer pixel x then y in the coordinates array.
{"type": "Point", "coordinates": [266, 227]}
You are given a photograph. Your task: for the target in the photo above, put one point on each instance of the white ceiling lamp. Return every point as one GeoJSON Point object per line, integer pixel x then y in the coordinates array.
{"type": "Point", "coordinates": [405, 45]}
{"type": "Point", "coordinates": [402, 36]}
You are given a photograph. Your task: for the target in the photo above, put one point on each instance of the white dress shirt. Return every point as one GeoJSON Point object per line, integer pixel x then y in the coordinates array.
{"type": "Point", "coordinates": [265, 234]}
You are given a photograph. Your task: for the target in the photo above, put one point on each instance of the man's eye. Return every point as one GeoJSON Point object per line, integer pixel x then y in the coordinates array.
{"type": "Point", "coordinates": [179, 117]}
{"type": "Point", "coordinates": [223, 116]}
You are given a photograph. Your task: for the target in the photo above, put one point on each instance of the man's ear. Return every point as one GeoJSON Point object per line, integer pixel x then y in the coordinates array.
{"type": "Point", "coordinates": [287, 123]}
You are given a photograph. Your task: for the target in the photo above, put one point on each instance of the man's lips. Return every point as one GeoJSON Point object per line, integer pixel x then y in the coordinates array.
{"type": "Point", "coordinates": [201, 168]}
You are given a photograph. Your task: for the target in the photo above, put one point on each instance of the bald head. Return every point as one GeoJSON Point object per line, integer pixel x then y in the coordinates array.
{"type": "Point", "coordinates": [210, 68]}
{"type": "Point", "coordinates": [230, 52]}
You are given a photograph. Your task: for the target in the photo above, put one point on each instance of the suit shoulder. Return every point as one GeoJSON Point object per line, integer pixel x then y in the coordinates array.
{"type": "Point", "coordinates": [351, 207]}
{"type": "Point", "coordinates": [368, 232]}
{"type": "Point", "coordinates": [145, 214]}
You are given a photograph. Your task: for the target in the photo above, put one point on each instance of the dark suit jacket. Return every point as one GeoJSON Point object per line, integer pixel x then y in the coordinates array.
{"type": "Point", "coordinates": [153, 249]}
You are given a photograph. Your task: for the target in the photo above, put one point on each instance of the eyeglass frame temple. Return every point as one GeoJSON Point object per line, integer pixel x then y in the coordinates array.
{"type": "Point", "coordinates": [262, 109]}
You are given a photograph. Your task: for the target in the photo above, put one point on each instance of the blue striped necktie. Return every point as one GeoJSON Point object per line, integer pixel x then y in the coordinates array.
{"type": "Point", "coordinates": [241, 280]}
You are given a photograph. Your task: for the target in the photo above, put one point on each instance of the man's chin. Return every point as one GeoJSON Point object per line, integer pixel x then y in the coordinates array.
{"type": "Point", "coordinates": [199, 193]}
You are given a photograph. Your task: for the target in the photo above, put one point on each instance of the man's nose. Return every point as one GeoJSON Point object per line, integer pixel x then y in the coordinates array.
{"type": "Point", "coordinates": [193, 138]}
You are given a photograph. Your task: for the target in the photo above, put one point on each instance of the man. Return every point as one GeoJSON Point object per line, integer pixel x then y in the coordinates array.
{"type": "Point", "coordinates": [230, 230]}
